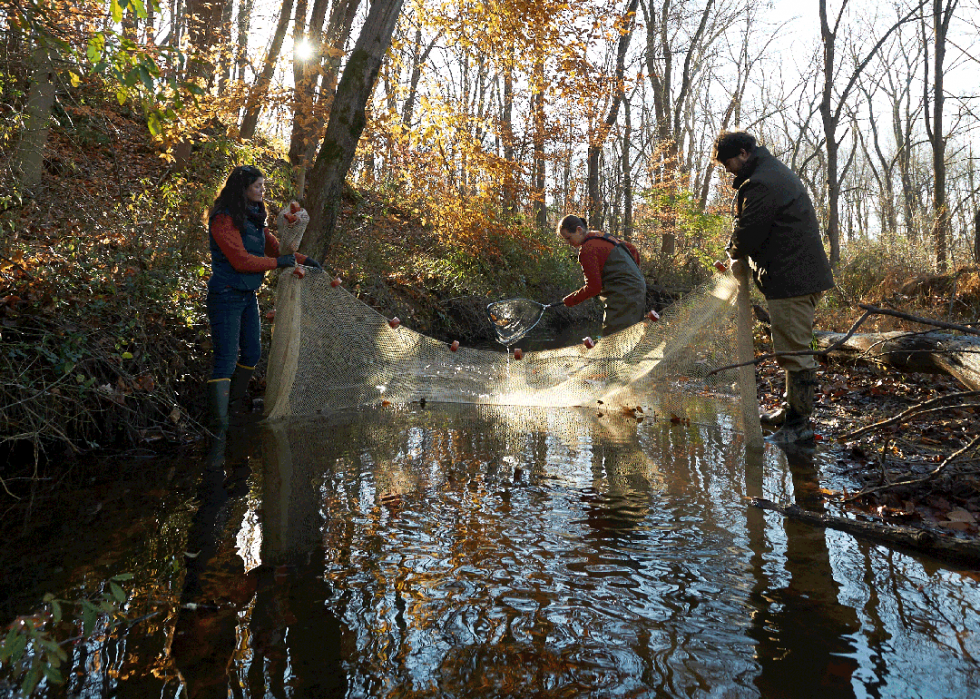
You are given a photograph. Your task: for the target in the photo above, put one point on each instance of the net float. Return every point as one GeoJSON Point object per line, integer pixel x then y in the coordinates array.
{"type": "Point", "coordinates": [394, 322]}
{"type": "Point", "coordinates": [299, 272]}
{"type": "Point", "coordinates": [588, 342]}
{"type": "Point", "coordinates": [455, 346]}
{"type": "Point", "coordinates": [290, 218]}
{"type": "Point", "coordinates": [518, 353]}
{"type": "Point", "coordinates": [336, 281]}
{"type": "Point", "coordinates": [721, 266]}
{"type": "Point", "coordinates": [270, 316]}
{"type": "Point", "coordinates": [294, 207]}
{"type": "Point", "coordinates": [654, 316]}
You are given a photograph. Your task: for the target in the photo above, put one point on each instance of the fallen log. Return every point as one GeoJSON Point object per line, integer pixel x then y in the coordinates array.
{"type": "Point", "coordinates": [935, 353]}
{"type": "Point", "coordinates": [937, 544]}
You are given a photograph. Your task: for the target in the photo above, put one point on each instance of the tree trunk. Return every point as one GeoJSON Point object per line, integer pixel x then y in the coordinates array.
{"type": "Point", "coordinates": [507, 136]}
{"type": "Point", "coordinates": [226, 59]}
{"type": "Point", "coordinates": [830, 113]}
{"type": "Point", "coordinates": [257, 94]}
{"type": "Point", "coordinates": [627, 173]}
{"type": "Point", "coordinates": [540, 205]}
{"type": "Point", "coordinates": [976, 238]}
{"type": "Point", "coordinates": [599, 138]}
{"type": "Point", "coordinates": [303, 143]}
{"type": "Point", "coordinates": [241, 50]}
{"type": "Point", "coordinates": [418, 61]}
{"type": "Point", "coordinates": [29, 158]}
{"type": "Point", "coordinates": [934, 353]}
{"type": "Point", "coordinates": [830, 118]}
{"type": "Point", "coordinates": [940, 208]}
{"type": "Point", "coordinates": [347, 120]}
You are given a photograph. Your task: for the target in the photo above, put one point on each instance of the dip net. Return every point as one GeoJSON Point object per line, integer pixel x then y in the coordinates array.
{"type": "Point", "coordinates": [330, 351]}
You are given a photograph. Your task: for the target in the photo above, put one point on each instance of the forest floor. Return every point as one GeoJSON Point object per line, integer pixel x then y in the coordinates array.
{"type": "Point", "coordinates": [902, 472]}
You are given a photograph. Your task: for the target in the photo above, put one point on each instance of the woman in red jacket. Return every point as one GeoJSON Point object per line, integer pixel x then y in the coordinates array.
{"type": "Point", "coordinates": [242, 251]}
{"type": "Point", "coordinates": [612, 272]}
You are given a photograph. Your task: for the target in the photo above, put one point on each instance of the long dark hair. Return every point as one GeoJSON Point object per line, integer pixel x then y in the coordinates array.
{"type": "Point", "coordinates": [232, 198]}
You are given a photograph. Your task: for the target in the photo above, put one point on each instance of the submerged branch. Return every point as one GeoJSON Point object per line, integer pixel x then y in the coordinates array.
{"type": "Point", "coordinates": [923, 540]}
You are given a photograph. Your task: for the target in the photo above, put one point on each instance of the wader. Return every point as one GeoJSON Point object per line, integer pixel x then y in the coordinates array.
{"type": "Point", "coordinates": [624, 291]}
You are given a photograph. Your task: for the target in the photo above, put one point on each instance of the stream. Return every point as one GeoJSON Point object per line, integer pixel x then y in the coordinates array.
{"type": "Point", "coordinates": [468, 551]}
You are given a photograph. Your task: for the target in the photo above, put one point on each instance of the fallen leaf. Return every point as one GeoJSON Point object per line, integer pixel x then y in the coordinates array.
{"type": "Point", "coordinates": [961, 515]}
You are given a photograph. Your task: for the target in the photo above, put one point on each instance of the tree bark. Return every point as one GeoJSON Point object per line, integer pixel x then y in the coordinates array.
{"type": "Point", "coordinates": [29, 158]}
{"type": "Point", "coordinates": [257, 94]}
{"type": "Point", "coordinates": [933, 353]}
{"type": "Point", "coordinates": [347, 120]}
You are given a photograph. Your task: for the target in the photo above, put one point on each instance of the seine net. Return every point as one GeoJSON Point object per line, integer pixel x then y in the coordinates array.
{"type": "Point", "coordinates": [330, 351]}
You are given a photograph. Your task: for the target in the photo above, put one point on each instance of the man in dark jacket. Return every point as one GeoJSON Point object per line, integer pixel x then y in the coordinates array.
{"type": "Point", "coordinates": [775, 231]}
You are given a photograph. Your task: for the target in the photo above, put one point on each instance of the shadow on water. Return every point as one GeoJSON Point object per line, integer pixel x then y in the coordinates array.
{"type": "Point", "coordinates": [465, 551]}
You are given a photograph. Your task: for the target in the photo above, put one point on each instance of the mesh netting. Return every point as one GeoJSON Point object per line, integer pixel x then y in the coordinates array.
{"type": "Point", "coordinates": [514, 318]}
{"type": "Point", "coordinates": [330, 351]}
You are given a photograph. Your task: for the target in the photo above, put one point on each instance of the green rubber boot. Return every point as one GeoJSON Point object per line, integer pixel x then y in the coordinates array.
{"type": "Point", "coordinates": [218, 391]}
{"type": "Point", "coordinates": [239, 385]}
{"type": "Point", "coordinates": [801, 388]}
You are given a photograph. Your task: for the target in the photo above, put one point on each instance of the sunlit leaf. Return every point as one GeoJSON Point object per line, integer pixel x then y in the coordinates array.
{"type": "Point", "coordinates": [116, 10]}
{"type": "Point", "coordinates": [96, 47]}
{"type": "Point", "coordinates": [153, 124]}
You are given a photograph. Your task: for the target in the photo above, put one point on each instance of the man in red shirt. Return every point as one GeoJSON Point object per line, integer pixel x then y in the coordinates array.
{"type": "Point", "coordinates": [612, 272]}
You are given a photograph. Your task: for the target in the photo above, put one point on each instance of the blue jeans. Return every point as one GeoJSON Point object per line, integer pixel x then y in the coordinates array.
{"type": "Point", "coordinates": [234, 318]}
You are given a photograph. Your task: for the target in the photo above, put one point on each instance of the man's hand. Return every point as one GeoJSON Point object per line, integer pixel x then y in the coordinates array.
{"type": "Point", "coordinates": [739, 267]}
{"type": "Point", "coordinates": [286, 261]}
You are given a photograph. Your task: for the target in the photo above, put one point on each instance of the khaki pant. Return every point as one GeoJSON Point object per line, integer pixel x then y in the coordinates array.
{"type": "Point", "coordinates": [792, 329]}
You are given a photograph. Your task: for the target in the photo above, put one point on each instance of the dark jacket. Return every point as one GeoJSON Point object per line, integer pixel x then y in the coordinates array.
{"type": "Point", "coordinates": [776, 229]}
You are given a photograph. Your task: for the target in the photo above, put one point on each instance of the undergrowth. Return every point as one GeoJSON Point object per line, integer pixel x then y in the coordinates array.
{"type": "Point", "coordinates": [102, 280]}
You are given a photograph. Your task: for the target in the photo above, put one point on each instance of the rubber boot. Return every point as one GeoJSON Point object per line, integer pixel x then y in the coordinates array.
{"type": "Point", "coordinates": [218, 390]}
{"type": "Point", "coordinates": [797, 427]}
{"type": "Point", "coordinates": [777, 417]}
{"type": "Point", "coordinates": [239, 385]}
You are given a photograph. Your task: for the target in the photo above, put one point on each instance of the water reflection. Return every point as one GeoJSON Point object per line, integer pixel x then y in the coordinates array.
{"type": "Point", "coordinates": [804, 634]}
{"type": "Point", "coordinates": [486, 550]}
{"type": "Point", "coordinates": [464, 551]}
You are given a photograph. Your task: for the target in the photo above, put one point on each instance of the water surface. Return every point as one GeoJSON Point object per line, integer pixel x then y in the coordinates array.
{"type": "Point", "coordinates": [464, 551]}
